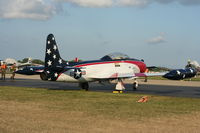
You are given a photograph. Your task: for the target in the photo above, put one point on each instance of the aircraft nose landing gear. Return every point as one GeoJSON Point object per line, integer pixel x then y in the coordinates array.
{"type": "Point", "coordinates": [119, 87]}
{"type": "Point", "coordinates": [135, 85]}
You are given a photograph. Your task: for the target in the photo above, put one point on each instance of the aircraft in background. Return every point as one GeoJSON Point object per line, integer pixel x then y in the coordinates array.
{"type": "Point", "coordinates": [19, 65]}
{"type": "Point", "coordinates": [179, 74]}
{"type": "Point", "coordinates": [193, 64]}
{"type": "Point", "coordinates": [191, 70]}
{"type": "Point", "coordinates": [31, 70]}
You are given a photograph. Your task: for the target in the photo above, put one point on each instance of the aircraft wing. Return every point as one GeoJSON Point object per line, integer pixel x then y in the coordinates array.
{"type": "Point", "coordinates": [150, 74]}
{"type": "Point", "coordinates": [124, 75]}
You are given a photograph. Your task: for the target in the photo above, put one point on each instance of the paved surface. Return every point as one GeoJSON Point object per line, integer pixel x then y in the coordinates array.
{"type": "Point", "coordinates": [163, 90]}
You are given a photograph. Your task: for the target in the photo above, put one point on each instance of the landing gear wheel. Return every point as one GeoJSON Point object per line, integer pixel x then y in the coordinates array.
{"type": "Point", "coordinates": [135, 85]}
{"type": "Point", "coordinates": [43, 76]}
{"type": "Point", "coordinates": [84, 86]}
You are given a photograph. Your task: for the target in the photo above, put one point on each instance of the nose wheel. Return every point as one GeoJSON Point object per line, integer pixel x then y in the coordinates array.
{"type": "Point", "coordinates": [135, 85]}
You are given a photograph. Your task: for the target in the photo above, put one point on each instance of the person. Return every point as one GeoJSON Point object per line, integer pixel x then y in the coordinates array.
{"type": "Point", "coordinates": [3, 71]}
{"type": "Point", "coordinates": [13, 69]}
{"type": "Point", "coordinates": [146, 71]}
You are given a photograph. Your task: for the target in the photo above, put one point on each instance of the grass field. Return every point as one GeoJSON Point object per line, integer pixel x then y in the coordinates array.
{"type": "Point", "coordinates": [34, 110]}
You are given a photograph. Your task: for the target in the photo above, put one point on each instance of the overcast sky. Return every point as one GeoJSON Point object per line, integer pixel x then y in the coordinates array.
{"type": "Point", "coordinates": [162, 32]}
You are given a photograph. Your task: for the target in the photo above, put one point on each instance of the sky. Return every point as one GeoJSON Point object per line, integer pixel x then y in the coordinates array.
{"type": "Point", "coordinates": [162, 32]}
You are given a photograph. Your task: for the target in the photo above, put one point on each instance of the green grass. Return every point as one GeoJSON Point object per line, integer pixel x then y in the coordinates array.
{"type": "Point", "coordinates": [36, 110]}
{"type": "Point", "coordinates": [98, 103]}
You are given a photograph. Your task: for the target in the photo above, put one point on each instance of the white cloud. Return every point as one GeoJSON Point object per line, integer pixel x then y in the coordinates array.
{"type": "Point", "coordinates": [90, 3]}
{"type": "Point", "coordinates": [133, 3]}
{"type": "Point", "coordinates": [45, 9]}
{"type": "Point", "coordinates": [190, 2]}
{"type": "Point", "coordinates": [31, 9]}
{"type": "Point", "coordinates": [136, 3]}
{"type": "Point", "coordinates": [157, 40]}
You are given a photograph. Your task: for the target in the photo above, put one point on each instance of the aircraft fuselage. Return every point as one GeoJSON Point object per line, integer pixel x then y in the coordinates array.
{"type": "Point", "coordinates": [93, 70]}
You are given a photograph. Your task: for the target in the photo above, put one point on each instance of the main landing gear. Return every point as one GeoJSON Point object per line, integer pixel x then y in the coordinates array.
{"type": "Point", "coordinates": [84, 86]}
{"type": "Point", "coordinates": [120, 86]}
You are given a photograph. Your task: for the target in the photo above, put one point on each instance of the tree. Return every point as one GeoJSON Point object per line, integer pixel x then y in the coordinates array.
{"type": "Point", "coordinates": [37, 61]}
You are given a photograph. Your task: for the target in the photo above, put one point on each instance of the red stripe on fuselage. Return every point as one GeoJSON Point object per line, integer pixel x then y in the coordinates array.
{"type": "Point", "coordinates": [141, 65]}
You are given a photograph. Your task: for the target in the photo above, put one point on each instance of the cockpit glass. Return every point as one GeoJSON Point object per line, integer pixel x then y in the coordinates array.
{"type": "Point", "coordinates": [115, 56]}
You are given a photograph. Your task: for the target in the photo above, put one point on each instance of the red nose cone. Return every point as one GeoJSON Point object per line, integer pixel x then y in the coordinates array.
{"type": "Point", "coordinates": [142, 67]}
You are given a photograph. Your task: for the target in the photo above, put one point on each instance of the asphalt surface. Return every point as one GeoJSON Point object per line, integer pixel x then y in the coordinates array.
{"type": "Point", "coordinates": [162, 90]}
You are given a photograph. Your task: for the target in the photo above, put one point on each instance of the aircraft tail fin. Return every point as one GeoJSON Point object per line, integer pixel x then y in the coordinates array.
{"type": "Point", "coordinates": [53, 62]}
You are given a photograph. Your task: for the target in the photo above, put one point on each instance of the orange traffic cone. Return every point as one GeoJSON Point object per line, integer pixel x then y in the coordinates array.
{"type": "Point", "coordinates": [143, 99]}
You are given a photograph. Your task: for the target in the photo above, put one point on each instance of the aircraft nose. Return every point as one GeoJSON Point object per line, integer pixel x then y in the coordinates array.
{"type": "Point", "coordinates": [19, 72]}
{"type": "Point", "coordinates": [172, 75]}
{"type": "Point", "coordinates": [168, 75]}
{"type": "Point", "coordinates": [142, 67]}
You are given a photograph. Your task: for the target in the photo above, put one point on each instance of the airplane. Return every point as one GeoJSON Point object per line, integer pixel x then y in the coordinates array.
{"type": "Point", "coordinates": [193, 64]}
{"type": "Point", "coordinates": [110, 67]}
{"type": "Point", "coordinates": [114, 66]}
{"type": "Point", "coordinates": [31, 70]}
{"type": "Point", "coordinates": [191, 70]}
{"type": "Point", "coordinates": [180, 74]}
{"type": "Point", "coordinates": [19, 65]}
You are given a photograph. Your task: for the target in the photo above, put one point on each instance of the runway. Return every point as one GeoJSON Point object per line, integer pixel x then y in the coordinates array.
{"type": "Point", "coordinates": [162, 90]}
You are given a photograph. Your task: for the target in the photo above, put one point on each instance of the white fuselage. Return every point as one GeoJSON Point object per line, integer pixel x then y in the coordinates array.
{"type": "Point", "coordinates": [96, 71]}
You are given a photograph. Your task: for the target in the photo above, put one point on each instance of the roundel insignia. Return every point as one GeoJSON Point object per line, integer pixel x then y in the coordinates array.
{"type": "Point", "coordinates": [77, 73]}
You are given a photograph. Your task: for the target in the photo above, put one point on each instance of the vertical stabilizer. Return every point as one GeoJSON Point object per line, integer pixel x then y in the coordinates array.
{"type": "Point", "coordinates": [52, 55]}
{"type": "Point", "coordinates": [54, 64]}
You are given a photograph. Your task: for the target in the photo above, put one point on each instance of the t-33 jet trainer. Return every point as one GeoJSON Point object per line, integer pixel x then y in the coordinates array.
{"type": "Point", "coordinates": [110, 67]}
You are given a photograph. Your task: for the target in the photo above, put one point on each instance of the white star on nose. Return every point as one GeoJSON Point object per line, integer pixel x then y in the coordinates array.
{"type": "Point", "coordinates": [54, 56]}
{"type": "Point", "coordinates": [48, 51]}
{"type": "Point", "coordinates": [48, 42]}
{"type": "Point", "coordinates": [53, 38]}
{"type": "Point", "coordinates": [54, 47]}
{"type": "Point", "coordinates": [49, 63]}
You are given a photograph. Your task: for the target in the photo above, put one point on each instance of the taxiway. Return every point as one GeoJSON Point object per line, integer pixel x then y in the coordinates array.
{"type": "Point", "coordinates": [151, 87]}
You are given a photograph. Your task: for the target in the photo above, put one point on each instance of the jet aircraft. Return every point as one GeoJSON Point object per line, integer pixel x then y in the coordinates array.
{"type": "Point", "coordinates": [19, 65]}
{"type": "Point", "coordinates": [31, 70]}
{"type": "Point", "coordinates": [115, 66]}
{"type": "Point", "coordinates": [193, 64]}
{"type": "Point", "coordinates": [179, 74]}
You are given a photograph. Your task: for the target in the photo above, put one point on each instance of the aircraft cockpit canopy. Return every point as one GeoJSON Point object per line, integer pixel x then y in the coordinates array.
{"type": "Point", "coordinates": [115, 56]}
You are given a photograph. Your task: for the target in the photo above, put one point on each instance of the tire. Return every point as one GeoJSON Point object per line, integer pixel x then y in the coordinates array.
{"type": "Point", "coordinates": [84, 86]}
{"type": "Point", "coordinates": [135, 86]}
{"type": "Point", "coordinates": [43, 76]}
